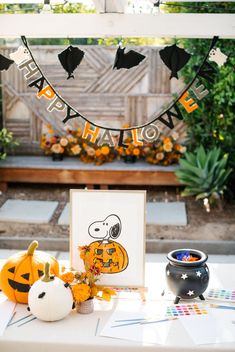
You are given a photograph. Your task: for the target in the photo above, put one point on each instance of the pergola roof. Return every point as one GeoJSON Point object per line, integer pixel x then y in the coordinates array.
{"type": "Point", "coordinates": [112, 21]}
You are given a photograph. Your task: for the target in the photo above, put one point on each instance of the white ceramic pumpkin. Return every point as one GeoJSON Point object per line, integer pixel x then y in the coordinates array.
{"type": "Point", "coordinates": [50, 299]}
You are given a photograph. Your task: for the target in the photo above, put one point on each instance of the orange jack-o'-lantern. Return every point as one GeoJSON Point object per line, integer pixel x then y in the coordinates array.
{"type": "Point", "coordinates": [22, 269]}
{"type": "Point", "coordinates": [110, 255]}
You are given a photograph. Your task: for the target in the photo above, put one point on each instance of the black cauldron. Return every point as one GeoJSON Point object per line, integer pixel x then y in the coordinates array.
{"type": "Point", "coordinates": [187, 279]}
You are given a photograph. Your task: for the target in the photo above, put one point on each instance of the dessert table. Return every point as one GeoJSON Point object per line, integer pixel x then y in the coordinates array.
{"type": "Point", "coordinates": [79, 332]}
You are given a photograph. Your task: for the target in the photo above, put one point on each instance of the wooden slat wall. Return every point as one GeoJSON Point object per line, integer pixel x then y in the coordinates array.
{"type": "Point", "coordinates": [110, 97]}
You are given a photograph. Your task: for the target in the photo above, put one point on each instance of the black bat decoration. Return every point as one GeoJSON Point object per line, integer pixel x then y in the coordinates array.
{"type": "Point", "coordinates": [127, 60]}
{"type": "Point", "coordinates": [70, 58]}
{"type": "Point", "coordinates": [5, 63]}
{"type": "Point", "coordinates": [174, 58]}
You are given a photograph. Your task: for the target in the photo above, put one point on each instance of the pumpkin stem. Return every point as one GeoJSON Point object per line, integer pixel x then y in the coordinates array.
{"type": "Point", "coordinates": [33, 245]}
{"type": "Point", "coordinates": [46, 277]}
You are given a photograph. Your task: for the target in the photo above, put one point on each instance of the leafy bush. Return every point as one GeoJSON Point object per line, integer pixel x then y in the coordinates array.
{"type": "Point", "coordinates": [6, 141]}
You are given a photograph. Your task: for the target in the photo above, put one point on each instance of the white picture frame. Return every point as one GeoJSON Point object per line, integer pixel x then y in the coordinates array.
{"type": "Point", "coordinates": [110, 221]}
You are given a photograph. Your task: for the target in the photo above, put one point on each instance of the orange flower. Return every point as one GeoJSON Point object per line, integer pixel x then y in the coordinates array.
{"type": "Point", "coordinates": [105, 150]}
{"type": "Point", "coordinates": [97, 153]}
{"type": "Point", "coordinates": [81, 292]}
{"type": "Point", "coordinates": [67, 277]}
{"type": "Point", "coordinates": [177, 147]}
{"type": "Point", "coordinates": [94, 290]}
{"type": "Point", "coordinates": [136, 151]}
{"type": "Point", "coordinates": [166, 140]}
{"type": "Point", "coordinates": [79, 132]}
{"type": "Point", "coordinates": [83, 251]}
{"type": "Point", "coordinates": [53, 140]}
{"type": "Point", "coordinates": [168, 147]}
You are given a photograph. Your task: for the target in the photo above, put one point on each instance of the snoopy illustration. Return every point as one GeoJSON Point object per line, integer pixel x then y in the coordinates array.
{"type": "Point", "coordinates": [111, 256]}
{"type": "Point", "coordinates": [108, 228]}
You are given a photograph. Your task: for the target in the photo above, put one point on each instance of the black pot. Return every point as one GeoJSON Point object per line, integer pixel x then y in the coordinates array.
{"type": "Point", "coordinates": [57, 156]}
{"type": "Point", "coordinates": [130, 159]}
{"type": "Point", "coordinates": [187, 279]}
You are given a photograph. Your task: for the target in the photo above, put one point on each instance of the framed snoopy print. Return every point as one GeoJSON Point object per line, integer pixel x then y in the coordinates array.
{"type": "Point", "coordinates": [111, 224]}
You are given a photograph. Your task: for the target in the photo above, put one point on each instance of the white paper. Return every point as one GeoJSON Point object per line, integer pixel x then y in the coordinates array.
{"type": "Point", "coordinates": [216, 327]}
{"type": "Point", "coordinates": [157, 333]}
{"type": "Point", "coordinates": [6, 311]}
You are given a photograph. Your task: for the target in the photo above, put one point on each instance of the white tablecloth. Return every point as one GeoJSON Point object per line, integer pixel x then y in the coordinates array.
{"type": "Point", "coordinates": [79, 332]}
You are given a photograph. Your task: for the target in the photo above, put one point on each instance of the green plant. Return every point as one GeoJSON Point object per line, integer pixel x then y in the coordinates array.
{"type": "Point", "coordinates": [204, 173]}
{"type": "Point", "coordinates": [6, 141]}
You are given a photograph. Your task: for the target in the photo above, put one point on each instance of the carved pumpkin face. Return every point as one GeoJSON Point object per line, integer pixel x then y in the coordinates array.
{"type": "Point", "coordinates": [111, 255]}
{"type": "Point", "coordinates": [22, 269]}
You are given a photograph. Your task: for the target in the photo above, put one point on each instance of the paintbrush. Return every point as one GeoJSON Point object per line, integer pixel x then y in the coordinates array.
{"type": "Point", "coordinates": [146, 321]}
{"type": "Point", "coordinates": [26, 322]}
{"type": "Point", "coordinates": [221, 306]}
{"type": "Point", "coordinates": [17, 321]}
{"type": "Point", "coordinates": [157, 321]}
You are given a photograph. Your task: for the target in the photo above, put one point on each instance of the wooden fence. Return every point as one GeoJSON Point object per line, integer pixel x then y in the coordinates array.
{"type": "Point", "coordinates": [110, 97]}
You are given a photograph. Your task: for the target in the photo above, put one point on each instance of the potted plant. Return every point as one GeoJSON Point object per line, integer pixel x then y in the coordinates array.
{"type": "Point", "coordinates": [6, 141]}
{"type": "Point", "coordinates": [84, 284]}
{"type": "Point", "coordinates": [131, 153]}
{"type": "Point", "coordinates": [205, 174]}
{"type": "Point", "coordinates": [165, 151]}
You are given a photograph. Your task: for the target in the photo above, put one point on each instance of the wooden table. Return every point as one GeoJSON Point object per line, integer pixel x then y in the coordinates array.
{"type": "Point", "coordinates": [36, 169]}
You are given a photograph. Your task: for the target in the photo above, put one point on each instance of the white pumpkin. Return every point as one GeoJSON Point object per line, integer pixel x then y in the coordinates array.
{"type": "Point", "coordinates": [50, 299]}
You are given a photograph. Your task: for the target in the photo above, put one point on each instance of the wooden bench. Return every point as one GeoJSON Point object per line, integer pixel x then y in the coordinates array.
{"type": "Point", "coordinates": [37, 169]}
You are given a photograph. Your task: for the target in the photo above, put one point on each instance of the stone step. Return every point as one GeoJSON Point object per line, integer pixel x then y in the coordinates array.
{"type": "Point", "coordinates": [41, 212]}
{"type": "Point", "coordinates": [158, 213]}
{"type": "Point", "coordinates": [27, 211]}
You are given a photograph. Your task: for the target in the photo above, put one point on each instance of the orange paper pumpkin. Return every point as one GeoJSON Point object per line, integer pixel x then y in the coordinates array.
{"type": "Point", "coordinates": [111, 256]}
{"type": "Point", "coordinates": [24, 268]}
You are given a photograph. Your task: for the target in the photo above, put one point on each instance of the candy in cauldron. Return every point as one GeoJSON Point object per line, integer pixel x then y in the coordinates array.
{"type": "Point", "coordinates": [187, 273]}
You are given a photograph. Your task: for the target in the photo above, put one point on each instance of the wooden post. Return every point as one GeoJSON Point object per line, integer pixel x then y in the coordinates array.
{"type": "Point", "coordinates": [3, 187]}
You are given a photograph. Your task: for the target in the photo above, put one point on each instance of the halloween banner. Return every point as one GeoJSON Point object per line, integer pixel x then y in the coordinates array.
{"type": "Point", "coordinates": [187, 100]}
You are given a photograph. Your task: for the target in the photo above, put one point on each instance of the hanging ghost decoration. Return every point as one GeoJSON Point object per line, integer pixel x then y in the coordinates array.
{"type": "Point", "coordinates": [217, 56]}
{"type": "Point", "coordinates": [20, 55]}
{"type": "Point", "coordinates": [174, 58]}
{"type": "Point", "coordinates": [70, 58]}
{"type": "Point", "coordinates": [5, 63]}
{"type": "Point", "coordinates": [127, 60]}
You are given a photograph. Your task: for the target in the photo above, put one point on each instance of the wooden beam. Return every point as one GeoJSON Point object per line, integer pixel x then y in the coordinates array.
{"type": "Point", "coordinates": [88, 177]}
{"type": "Point", "coordinates": [110, 6]}
{"type": "Point", "coordinates": [77, 1]}
{"type": "Point", "coordinates": [116, 25]}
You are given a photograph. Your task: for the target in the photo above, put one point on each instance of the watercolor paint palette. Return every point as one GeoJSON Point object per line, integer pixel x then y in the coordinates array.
{"type": "Point", "coordinates": [180, 310]}
{"type": "Point", "coordinates": [222, 295]}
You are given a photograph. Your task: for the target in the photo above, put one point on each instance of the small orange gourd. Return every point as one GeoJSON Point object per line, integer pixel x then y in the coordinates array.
{"type": "Point", "coordinates": [111, 256]}
{"type": "Point", "coordinates": [22, 269]}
